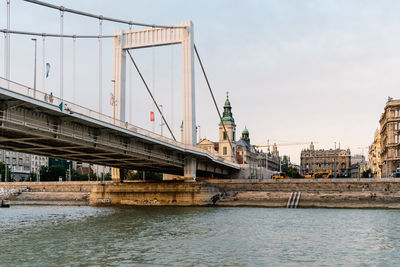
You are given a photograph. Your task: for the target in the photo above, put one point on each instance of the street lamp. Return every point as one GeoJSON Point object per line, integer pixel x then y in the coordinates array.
{"type": "Point", "coordinates": [199, 131]}
{"type": "Point", "coordinates": [113, 99]}
{"type": "Point", "coordinates": [34, 69]}
{"type": "Point", "coordinates": [335, 161]}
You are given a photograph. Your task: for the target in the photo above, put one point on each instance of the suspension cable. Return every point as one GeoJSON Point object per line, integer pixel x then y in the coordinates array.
{"type": "Point", "coordinates": [73, 68]}
{"type": "Point", "coordinates": [100, 66]}
{"type": "Point", "coordinates": [61, 54]}
{"type": "Point", "coordinates": [213, 98]}
{"type": "Point", "coordinates": [151, 95]}
{"type": "Point", "coordinates": [44, 63]}
{"type": "Point", "coordinates": [56, 35]}
{"type": "Point", "coordinates": [77, 12]}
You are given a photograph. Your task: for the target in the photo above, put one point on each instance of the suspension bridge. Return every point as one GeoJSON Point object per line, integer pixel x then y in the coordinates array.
{"type": "Point", "coordinates": [38, 122]}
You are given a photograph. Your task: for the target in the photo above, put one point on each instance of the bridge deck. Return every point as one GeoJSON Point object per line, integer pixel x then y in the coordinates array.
{"type": "Point", "coordinates": [32, 122]}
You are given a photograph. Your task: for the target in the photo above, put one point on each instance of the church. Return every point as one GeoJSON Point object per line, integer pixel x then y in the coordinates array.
{"type": "Point", "coordinates": [254, 163]}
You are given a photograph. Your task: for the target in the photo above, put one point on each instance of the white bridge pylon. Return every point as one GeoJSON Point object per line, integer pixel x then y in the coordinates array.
{"type": "Point", "coordinates": [148, 37]}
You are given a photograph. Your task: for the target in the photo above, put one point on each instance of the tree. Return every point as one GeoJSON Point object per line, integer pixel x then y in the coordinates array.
{"type": "Point", "coordinates": [148, 175]}
{"type": "Point", "coordinates": [3, 168]}
{"type": "Point", "coordinates": [366, 174]}
{"type": "Point", "coordinates": [51, 173]}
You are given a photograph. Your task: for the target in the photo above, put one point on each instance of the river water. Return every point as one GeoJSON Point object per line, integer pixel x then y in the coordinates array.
{"type": "Point", "coordinates": [197, 236]}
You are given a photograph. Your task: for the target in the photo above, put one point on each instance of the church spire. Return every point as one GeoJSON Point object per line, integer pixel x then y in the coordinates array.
{"type": "Point", "coordinates": [227, 117]}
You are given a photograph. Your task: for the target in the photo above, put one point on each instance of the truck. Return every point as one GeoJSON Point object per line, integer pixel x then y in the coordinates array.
{"type": "Point", "coordinates": [322, 174]}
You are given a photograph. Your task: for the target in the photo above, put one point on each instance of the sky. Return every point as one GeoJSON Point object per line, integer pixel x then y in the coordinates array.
{"type": "Point", "coordinates": [296, 71]}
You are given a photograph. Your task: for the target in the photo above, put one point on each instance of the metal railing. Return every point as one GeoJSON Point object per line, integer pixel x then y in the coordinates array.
{"type": "Point", "coordinates": [70, 108]}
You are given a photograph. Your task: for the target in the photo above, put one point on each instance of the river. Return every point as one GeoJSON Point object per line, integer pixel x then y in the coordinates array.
{"type": "Point", "coordinates": [193, 236]}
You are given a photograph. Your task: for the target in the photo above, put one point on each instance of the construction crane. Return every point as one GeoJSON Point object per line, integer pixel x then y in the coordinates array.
{"type": "Point", "coordinates": [286, 144]}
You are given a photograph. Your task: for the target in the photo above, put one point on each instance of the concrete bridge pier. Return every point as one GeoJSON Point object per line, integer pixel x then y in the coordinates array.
{"type": "Point", "coordinates": [115, 175]}
{"type": "Point", "coordinates": [189, 169]}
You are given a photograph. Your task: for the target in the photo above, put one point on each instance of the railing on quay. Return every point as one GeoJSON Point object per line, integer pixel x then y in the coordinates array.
{"type": "Point", "coordinates": [74, 108]}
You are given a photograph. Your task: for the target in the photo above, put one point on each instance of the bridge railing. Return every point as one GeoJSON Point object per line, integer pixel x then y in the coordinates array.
{"type": "Point", "coordinates": [69, 107]}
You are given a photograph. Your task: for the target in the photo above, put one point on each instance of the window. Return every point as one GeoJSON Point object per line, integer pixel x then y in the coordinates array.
{"type": "Point", "coordinates": [225, 137]}
{"type": "Point", "coordinates": [225, 150]}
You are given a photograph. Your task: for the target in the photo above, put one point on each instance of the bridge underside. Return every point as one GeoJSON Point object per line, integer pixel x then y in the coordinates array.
{"type": "Point", "coordinates": [37, 127]}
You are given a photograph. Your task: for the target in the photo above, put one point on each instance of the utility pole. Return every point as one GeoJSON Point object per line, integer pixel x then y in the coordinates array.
{"type": "Point", "coordinates": [34, 69]}
{"type": "Point", "coordinates": [334, 160]}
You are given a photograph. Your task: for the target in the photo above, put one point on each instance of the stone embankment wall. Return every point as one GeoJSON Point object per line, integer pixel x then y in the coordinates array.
{"type": "Point", "coordinates": [51, 198]}
{"type": "Point", "coordinates": [52, 186]}
{"type": "Point", "coordinates": [50, 193]}
{"type": "Point", "coordinates": [320, 193]}
{"type": "Point", "coordinates": [306, 184]}
{"type": "Point", "coordinates": [174, 193]}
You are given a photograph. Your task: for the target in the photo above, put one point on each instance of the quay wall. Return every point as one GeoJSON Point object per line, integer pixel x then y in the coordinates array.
{"type": "Point", "coordinates": [319, 193]}
{"type": "Point", "coordinates": [174, 193]}
{"type": "Point", "coordinates": [78, 186]}
{"type": "Point", "coordinates": [319, 185]}
{"type": "Point", "coordinates": [51, 198]}
{"type": "Point", "coordinates": [309, 199]}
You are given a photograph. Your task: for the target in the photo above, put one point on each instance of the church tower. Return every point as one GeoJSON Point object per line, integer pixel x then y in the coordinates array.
{"type": "Point", "coordinates": [225, 149]}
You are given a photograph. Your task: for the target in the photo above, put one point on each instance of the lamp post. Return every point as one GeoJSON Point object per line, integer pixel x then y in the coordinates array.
{"type": "Point", "coordinates": [199, 129]}
{"type": "Point", "coordinates": [34, 69]}
{"type": "Point", "coordinates": [113, 99]}
{"type": "Point", "coordinates": [334, 160]}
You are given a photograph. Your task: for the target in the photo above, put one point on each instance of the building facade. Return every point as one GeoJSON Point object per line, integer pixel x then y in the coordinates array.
{"type": "Point", "coordinates": [37, 162]}
{"type": "Point", "coordinates": [254, 163]}
{"type": "Point", "coordinates": [313, 160]}
{"type": "Point", "coordinates": [390, 138]}
{"type": "Point", "coordinates": [374, 155]}
{"type": "Point", "coordinates": [19, 164]}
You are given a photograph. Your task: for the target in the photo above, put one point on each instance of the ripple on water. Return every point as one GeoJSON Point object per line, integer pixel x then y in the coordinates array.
{"type": "Point", "coordinates": [44, 235]}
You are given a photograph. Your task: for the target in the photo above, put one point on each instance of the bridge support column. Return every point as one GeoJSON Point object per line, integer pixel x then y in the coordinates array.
{"type": "Point", "coordinates": [119, 77]}
{"type": "Point", "coordinates": [115, 175]}
{"type": "Point", "coordinates": [189, 111]}
{"type": "Point", "coordinates": [189, 169]}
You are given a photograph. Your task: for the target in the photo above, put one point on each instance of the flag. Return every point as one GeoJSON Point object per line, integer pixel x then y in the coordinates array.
{"type": "Point", "coordinates": [47, 69]}
{"type": "Point", "coordinates": [151, 116]}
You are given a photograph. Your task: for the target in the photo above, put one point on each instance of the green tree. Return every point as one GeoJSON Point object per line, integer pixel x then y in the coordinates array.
{"type": "Point", "coordinates": [292, 172]}
{"type": "Point", "coordinates": [51, 173]}
{"type": "Point", "coordinates": [3, 169]}
{"type": "Point", "coordinates": [366, 174]}
{"type": "Point", "coordinates": [148, 175]}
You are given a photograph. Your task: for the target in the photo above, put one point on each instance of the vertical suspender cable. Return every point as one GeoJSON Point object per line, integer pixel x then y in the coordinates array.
{"type": "Point", "coordinates": [172, 87]}
{"type": "Point", "coordinates": [8, 44]}
{"type": "Point", "coordinates": [43, 62]}
{"type": "Point", "coordinates": [154, 85]}
{"type": "Point", "coordinates": [100, 64]}
{"type": "Point", "coordinates": [130, 103]}
{"type": "Point", "coordinates": [5, 55]}
{"type": "Point", "coordinates": [73, 68]}
{"type": "Point", "coordinates": [61, 53]}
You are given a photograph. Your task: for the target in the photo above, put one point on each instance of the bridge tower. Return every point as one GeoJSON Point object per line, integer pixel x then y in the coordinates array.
{"type": "Point", "coordinates": [148, 37]}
